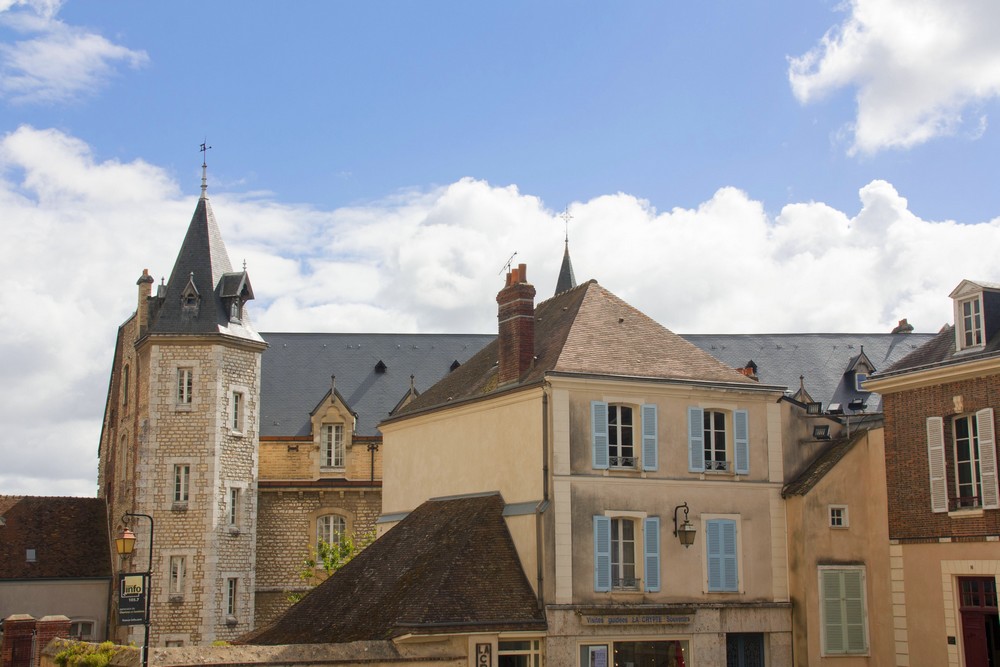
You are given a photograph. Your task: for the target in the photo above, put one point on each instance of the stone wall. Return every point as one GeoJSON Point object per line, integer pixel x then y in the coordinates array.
{"type": "Point", "coordinates": [286, 531]}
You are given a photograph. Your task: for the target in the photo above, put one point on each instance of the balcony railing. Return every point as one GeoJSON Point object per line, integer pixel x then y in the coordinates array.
{"type": "Point", "coordinates": [626, 584]}
{"type": "Point", "coordinates": [630, 462]}
{"type": "Point", "coordinates": [964, 503]}
{"type": "Point", "coordinates": [716, 466]}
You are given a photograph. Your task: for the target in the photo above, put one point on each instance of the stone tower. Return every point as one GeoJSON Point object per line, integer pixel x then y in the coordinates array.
{"type": "Point", "coordinates": [180, 442]}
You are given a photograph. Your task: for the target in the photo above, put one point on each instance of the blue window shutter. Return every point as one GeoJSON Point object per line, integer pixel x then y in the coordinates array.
{"type": "Point", "coordinates": [741, 441]}
{"type": "Point", "coordinates": [713, 541]}
{"type": "Point", "coordinates": [649, 438]}
{"type": "Point", "coordinates": [602, 554]}
{"type": "Point", "coordinates": [599, 434]}
{"type": "Point", "coordinates": [696, 440]}
{"type": "Point", "coordinates": [730, 566]}
{"type": "Point", "coordinates": [651, 547]}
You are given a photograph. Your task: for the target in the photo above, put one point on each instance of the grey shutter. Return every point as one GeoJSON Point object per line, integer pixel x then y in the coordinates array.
{"type": "Point", "coordinates": [651, 549]}
{"type": "Point", "coordinates": [935, 460]}
{"type": "Point", "coordinates": [741, 440]}
{"type": "Point", "coordinates": [602, 554]}
{"type": "Point", "coordinates": [988, 459]}
{"type": "Point", "coordinates": [599, 434]}
{"type": "Point", "coordinates": [649, 438]}
{"type": "Point", "coordinates": [696, 440]}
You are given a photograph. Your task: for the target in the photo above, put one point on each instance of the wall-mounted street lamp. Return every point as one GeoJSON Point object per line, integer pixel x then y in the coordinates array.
{"type": "Point", "coordinates": [124, 545]}
{"type": "Point", "coordinates": [686, 531]}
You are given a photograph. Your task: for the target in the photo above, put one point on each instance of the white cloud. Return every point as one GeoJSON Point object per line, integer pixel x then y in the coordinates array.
{"type": "Point", "coordinates": [922, 69]}
{"type": "Point", "coordinates": [57, 62]}
{"type": "Point", "coordinates": [77, 234]}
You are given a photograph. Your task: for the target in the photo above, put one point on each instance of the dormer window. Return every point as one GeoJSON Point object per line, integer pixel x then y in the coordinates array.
{"type": "Point", "coordinates": [970, 323]}
{"type": "Point", "coordinates": [235, 310]}
{"type": "Point", "coordinates": [190, 297]}
{"type": "Point", "coordinates": [859, 380]}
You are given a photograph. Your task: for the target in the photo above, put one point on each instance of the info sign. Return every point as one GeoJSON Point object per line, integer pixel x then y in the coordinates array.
{"type": "Point", "coordinates": [132, 592]}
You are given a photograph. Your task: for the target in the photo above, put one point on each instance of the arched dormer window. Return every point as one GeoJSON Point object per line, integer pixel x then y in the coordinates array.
{"type": "Point", "coordinates": [190, 297]}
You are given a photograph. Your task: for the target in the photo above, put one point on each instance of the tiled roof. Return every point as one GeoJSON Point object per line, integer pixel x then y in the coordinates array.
{"type": "Point", "coordinates": [449, 566]}
{"type": "Point", "coordinates": [588, 331]}
{"type": "Point", "coordinates": [202, 255]}
{"type": "Point", "coordinates": [69, 537]}
{"type": "Point", "coordinates": [821, 465]}
{"type": "Point", "coordinates": [296, 370]}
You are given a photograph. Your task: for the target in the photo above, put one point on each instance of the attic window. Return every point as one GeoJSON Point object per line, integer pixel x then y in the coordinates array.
{"type": "Point", "coordinates": [859, 380]}
{"type": "Point", "coordinates": [970, 323]}
{"type": "Point", "coordinates": [380, 367]}
{"type": "Point", "coordinates": [454, 365]}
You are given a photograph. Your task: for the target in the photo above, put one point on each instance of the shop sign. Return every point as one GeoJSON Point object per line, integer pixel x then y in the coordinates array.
{"type": "Point", "coordinates": [637, 619]}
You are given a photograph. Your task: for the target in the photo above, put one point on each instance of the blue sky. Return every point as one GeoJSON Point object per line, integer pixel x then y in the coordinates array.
{"type": "Point", "coordinates": [729, 166]}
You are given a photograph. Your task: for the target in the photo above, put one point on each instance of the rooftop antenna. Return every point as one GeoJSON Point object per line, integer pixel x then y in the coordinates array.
{"type": "Point", "coordinates": [204, 168]}
{"type": "Point", "coordinates": [508, 263]}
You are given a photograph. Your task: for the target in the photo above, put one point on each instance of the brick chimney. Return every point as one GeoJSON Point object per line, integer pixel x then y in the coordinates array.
{"type": "Point", "coordinates": [145, 284]}
{"type": "Point", "coordinates": [516, 315]}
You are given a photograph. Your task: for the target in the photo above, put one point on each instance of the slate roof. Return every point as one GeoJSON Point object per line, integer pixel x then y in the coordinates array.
{"type": "Point", "coordinates": [587, 331]}
{"type": "Point", "coordinates": [940, 351]}
{"type": "Point", "coordinates": [821, 465]}
{"type": "Point", "coordinates": [296, 370]}
{"type": "Point", "coordinates": [566, 280]}
{"type": "Point", "coordinates": [449, 566]}
{"type": "Point", "coordinates": [823, 359]}
{"type": "Point", "coordinates": [203, 259]}
{"type": "Point", "coordinates": [69, 536]}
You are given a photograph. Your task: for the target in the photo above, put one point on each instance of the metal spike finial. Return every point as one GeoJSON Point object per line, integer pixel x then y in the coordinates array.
{"type": "Point", "coordinates": [204, 168]}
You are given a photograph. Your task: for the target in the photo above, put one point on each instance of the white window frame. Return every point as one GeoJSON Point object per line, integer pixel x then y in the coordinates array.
{"type": "Point", "coordinates": [232, 597]}
{"type": "Point", "coordinates": [838, 516]}
{"type": "Point", "coordinates": [842, 609]}
{"type": "Point", "coordinates": [535, 651]}
{"type": "Point", "coordinates": [971, 464]}
{"type": "Point", "coordinates": [181, 490]}
{"type": "Point", "coordinates": [969, 325]}
{"type": "Point", "coordinates": [79, 622]}
{"type": "Point", "coordinates": [710, 435]}
{"type": "Point", "coordinates": [327, 529]}
{"type": "Point", "coordinates": [185, 386]}
{"type": "Point", "coordinates": [176, 576]}
{"type": "Point", "coordinates": [333, 450]}
{"type": "Point", "coordinates": [237, 418]}
{"type": "Point", "coordinates": [640, 554]}
{"type": "Point", "coordinates": [619, 431]}
{"type": "Point", "coordinates": [619, 550]}
{"type": "Point", "coordinates": [234, 506]}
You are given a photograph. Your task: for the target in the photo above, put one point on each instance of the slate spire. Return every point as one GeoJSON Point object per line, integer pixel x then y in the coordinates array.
{"type": "Point", "coordinates": [566, 280]}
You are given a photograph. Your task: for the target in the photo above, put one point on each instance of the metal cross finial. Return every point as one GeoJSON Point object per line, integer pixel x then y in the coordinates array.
{"type": "Point", "coordinates": [566, 217]}
{"type": "Point", "coordinates": [204, 167]}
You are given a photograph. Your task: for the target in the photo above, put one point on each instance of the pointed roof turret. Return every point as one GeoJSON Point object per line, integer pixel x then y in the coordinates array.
{"type": "Point", "coordinates": [566, 280]}
{"type": "Point", "coordinates": [203, 295]}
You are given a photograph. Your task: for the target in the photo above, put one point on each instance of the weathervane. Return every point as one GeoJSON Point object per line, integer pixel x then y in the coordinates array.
{"type": "Point", "coordinates": [566, 217]}
{"type": "Point", "coordinates": [204, 167]}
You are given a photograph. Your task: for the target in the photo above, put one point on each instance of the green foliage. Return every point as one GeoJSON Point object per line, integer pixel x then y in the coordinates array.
{"type": "Point", "coordinates": [320, 563]}
{"type": "Point", "coordinates": [80, 654]}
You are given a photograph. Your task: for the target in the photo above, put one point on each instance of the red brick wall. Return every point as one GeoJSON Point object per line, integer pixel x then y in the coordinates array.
{"type": "Point", "coordinates": [907, 471]}
{"type": "Point", "coordinates": [516, 315]}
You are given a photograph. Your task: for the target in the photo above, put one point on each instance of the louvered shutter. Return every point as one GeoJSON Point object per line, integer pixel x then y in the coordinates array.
{"type": "Point", "coordinates": [741, 440]}
{"type": "Point", "coordinates": [713, 541]}
{"type": "Point", "coordinates": [935, 460]}
{"type": "Point", "coordinates": [649, 438]}
{"type": "Point", "coordinates": [651, 548]}
{"type": "Point", "coordinates": [730, 566]}
{"type": "Point", "coordinates": [696, 440]}
{"type": "Point", "coordinates": [854, 611]}
{"type": "Point", "coordinates": [833, 621]}
{"type": "Point", "coordinates": [602, 554]}
{"type": "Point", "coordinates": [988, 458]}
{"type": "Point", "coordinates": [599, 434]}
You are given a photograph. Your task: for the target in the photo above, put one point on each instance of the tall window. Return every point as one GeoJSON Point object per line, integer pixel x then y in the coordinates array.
{"type": "Point", "coordinates": [234, 506]}
{"type": "Point", "coordinates": [845, 628]}
{"type": "Point", "coordinates": [723, 559]}
{"type": "Point", "coordinates": [519, 653]}
{"type": "Point", "coordinates": [333, 445]}
{"type": "Point", "coordinates": [330, 529]}
{"type": "Point", "coordinates": [178, 565]}
{"type": "Point", "coordinates": [715, 440]}
{"type": "Point", "coordinates": [231, 588]}
{"type": "Point", "coordinates": [973, 479]}
{"type": "Point", "coordinates": [237, 421]}
{"type": "Point", "coordinates": [972, 323]}
{"type": "Point", "coordinates": [185, 385]}
{"type": "Point", "coordinates": [125, 386]}
{"type": "Point", "coordinates": [615, 438]}
{"type": "Point", "coordinates": [182, 475]}
{"type": "Point", "coordinates": [620, 443]}
{"type": "Point", "coordinates": [623, 554]}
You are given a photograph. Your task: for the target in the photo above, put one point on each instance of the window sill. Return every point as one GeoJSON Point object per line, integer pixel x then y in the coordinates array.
{"type": "Point", "coordinates": [175, 597]}
{"type": "Point", "coordinates": [231, 620]}
{"type": "Point", "coordinates": [333, 469]}
{"type": "Point", "coordinates": [179, 507]}
{"type": "Point", "coordinates": [970, 513]}
{"type": "Point", "coordinates": [234, 530]}
{"type": "Point", "coordinates": [183, 407]}
{"type": "Point", "coordinates": [236, 434]}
